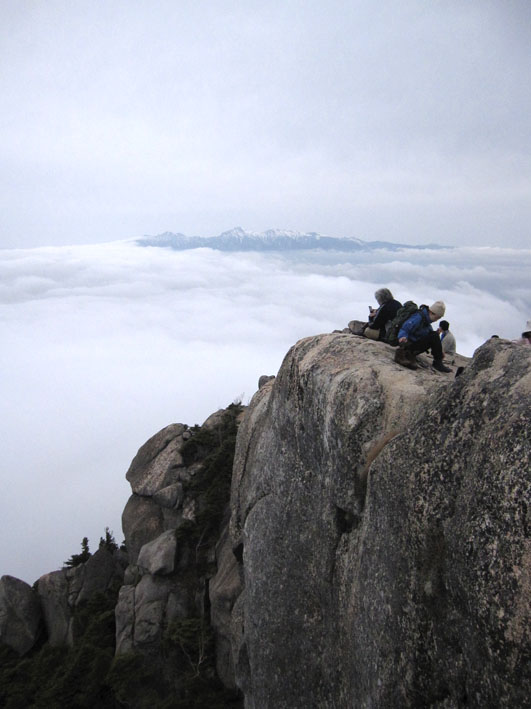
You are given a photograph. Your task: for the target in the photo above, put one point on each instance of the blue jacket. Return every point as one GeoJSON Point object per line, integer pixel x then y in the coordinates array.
{"type": "Point", "coordinates": [417, 326]}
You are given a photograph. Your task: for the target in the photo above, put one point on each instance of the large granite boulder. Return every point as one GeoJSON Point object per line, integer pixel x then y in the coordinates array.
{"type": "Point", "coordinates": [173, 523]}
{"type": "Point", "coordinates": [381, 519]}
{"type": "Point", "coordinates": [142, 522]}
{"type": "Point", "coordinates": [20, 615]}
{"type": "Point", "coordinates": [53, 589]}
{"type": "Point", "coordinates": [158, 461]}
{"type": "Point", "coordinates": [146, 609]}
{"type": "Point", "coordinates": [61, 592]}
{"type": "Point", "coordinates": [158, 557]}
{"type": "Point", "coordinates": [157, 474]}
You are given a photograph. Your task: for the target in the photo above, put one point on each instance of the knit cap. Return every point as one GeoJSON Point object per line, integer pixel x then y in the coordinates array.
{"type": "Point", "coordinates": [438, 308]}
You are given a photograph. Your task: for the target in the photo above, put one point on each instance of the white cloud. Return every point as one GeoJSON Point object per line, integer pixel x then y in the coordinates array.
{"type": "Point", "coordinates": [104, 345]}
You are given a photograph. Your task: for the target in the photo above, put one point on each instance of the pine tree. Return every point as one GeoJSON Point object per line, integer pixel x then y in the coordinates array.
{"type": "Point", "coordinates": [77, 559]}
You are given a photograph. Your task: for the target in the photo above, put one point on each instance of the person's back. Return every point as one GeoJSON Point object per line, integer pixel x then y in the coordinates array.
{"type": "Point", "coordinates": [447, 339]}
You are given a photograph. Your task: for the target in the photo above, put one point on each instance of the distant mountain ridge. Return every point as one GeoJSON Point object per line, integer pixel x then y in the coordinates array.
{"type": "Point", "coordinates": [238, 239]}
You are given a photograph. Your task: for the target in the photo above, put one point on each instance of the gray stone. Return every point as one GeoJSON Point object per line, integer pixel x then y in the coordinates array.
{"type": "Point", "coordinates": [158, 556]}
{"type": "Point", "coordinates": [456, 495]}
{"type": "Point", "coordinates": [264, 379]}
{"type": "Point", "coordinates": [151, 595]}
{"type": "Point", "coordinates": [132, 575]}
{"type": "Point", "coordinates": [214, 420]}
{"type": "Point", "coordinates": [142, 521]}
{"type": "Point", "coordinates": [100, 572]}
{"type": "Point", "coordinates": [156, 464]}
{"type": "Point", "coordinates": [53, 590]}
{"type": "Point", "coordinates": [380, 517]}
{"type": "Point", "coordinates": [20, 614]}
{"type": "Point", "coordinates": [61, 591]}
{"type": "Point", "coordinates": [171, 519]}
{"type": "Point", "coordinates": [125, 619]}
{"type": "Point", "coordinates": [170, 496]}
{"type": "Point", "coordinates": [224, 589]}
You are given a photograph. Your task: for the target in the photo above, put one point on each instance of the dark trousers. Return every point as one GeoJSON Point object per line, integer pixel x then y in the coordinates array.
{"type": "Point", "coordinates": [427, 342]}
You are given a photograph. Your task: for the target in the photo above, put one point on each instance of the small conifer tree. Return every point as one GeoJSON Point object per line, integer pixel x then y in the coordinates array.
{"type": "Point", "coordinates": [77, 559]}
{"type": "Point", "coordinates": [109, 542]}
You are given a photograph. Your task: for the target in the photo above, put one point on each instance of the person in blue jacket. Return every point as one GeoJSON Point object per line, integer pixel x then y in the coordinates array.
{"type": "Point", "coordinates": [417, 335]}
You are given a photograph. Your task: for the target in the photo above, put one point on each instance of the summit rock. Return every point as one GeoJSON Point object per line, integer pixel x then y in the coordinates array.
{"type": "Point", "coordinates": [381, 520]}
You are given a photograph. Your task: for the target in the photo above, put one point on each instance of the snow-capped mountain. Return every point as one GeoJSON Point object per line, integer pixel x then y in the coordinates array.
{"type": "Point", "coordinates": [238, 239]}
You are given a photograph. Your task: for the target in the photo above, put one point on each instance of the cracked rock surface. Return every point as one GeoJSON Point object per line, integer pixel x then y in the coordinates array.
{"type": "Point", "coordinates": [381, 520]}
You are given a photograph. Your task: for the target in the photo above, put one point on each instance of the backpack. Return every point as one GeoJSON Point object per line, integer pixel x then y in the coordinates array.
{"type": "Point", "coordinates": [405, 312]}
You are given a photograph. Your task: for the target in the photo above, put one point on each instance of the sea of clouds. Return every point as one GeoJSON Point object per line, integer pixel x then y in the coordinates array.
{"type": "Point", "coordinates": [104, 345]}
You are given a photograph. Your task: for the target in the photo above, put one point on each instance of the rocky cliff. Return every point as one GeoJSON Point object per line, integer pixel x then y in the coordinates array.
{"type": "Point", "coordinates": [171, 607]}
{"type": "Point", "coordinates": [381, 519]}
{"type": "Point", "coordinates": [375, 553]}
{"type": "Point", "coordinates": [147, 625]}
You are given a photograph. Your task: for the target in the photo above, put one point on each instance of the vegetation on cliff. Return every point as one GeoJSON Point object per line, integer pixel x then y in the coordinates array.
{"type": "Point", "coordinates": [58, 677]}
{"type": "Point", "coordinates": [184, 674]}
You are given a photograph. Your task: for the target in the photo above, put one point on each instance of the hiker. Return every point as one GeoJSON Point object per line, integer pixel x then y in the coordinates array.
{"type": "Point", "coordinates": [417, 335]}
{"type": "Point", "coordinates": [380, 318]}
{"type": "Point", "coordinates": [447, 339]}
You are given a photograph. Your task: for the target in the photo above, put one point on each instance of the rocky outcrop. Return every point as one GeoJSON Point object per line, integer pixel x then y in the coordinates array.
{"type": "Point", "coordinates": [156, 475]}
{"type": "Point", "coordinates": [381, 519]}
{"type": "Point", "coordinates": [155, 511]}
{"type": "Point", "coordinates": [20, 615]}
{"type": "Point", "coordinates": [180, 570]}
{"type": "Point", "coordinates": [375, 553]}
{"type": "Point", "coordinates": [61, 592]}
{"type": "Point", "coordinates": [162, 608]}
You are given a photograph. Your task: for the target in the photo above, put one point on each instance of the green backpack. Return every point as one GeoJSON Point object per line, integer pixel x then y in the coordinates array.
{"type": "Point", "coordinates": [405, 312]}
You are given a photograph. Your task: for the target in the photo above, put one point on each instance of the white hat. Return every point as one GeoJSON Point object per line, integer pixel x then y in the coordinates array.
{"type": "Point", "coordinates": [438, 308]}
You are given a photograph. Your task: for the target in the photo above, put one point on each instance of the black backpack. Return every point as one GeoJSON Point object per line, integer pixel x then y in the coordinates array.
{"type": "Point", "coordinates": [405, 312]}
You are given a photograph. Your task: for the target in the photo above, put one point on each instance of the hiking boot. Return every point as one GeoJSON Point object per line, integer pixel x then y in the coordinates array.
{"type": "Point", "coordinates": [401, 356]}
{"type": "Point", "coordinates": [405, 358]}
{"type": "Point", "coordinates": [412, 360]}
{"type": "Point", "coordinates": [439, 366]}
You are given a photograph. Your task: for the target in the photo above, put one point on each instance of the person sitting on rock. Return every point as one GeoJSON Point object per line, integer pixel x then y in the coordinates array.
{"type": "Point", "coordinates": [417, 335]}
{"type": "Point", "coordinates": [380, 318]}
{"type": "Point", "coordinates": [447, 340]}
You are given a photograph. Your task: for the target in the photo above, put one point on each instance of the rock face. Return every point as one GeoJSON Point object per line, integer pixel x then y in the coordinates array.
{"type": "Point", "coordinates": [60, 592]}
{"type": "Point", "coordinates": [179, 569]}
{"type": "Point", "coordinates": [375, 553]}
{"type": "Point", "coordinates": [20, 614]}
{"type": "Point", "coordinates": [381, 519]}
{"type": "Point", "coordinates": [153, 596]}
{"type": "Point", "coordinates": [156, 475]}
{"type": "Point", "coordinates": [163, 608]}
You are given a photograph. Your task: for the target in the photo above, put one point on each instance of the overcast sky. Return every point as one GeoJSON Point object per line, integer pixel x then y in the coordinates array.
{"type": "Point", "coordinates": [405, 120]}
